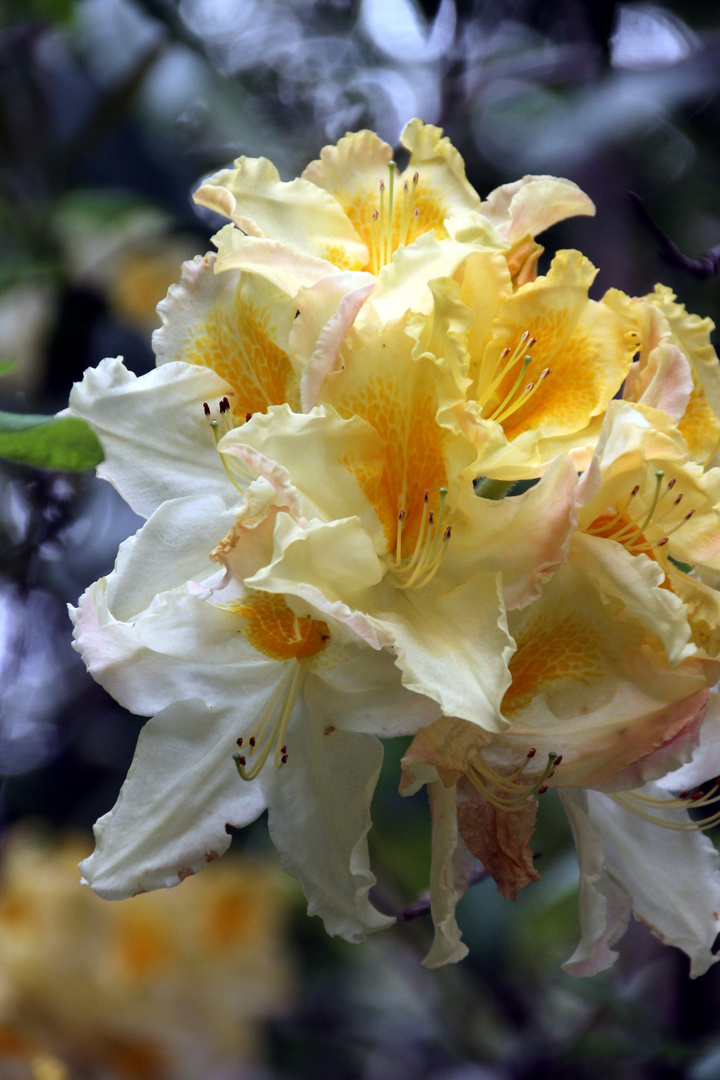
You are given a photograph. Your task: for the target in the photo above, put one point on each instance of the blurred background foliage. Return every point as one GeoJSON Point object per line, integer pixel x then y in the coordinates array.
{"type": "Point", "coordinates": [111, 112]}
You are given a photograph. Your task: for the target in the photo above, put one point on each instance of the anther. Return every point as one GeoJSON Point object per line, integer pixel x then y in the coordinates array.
{"type": "Point", "coordinates": [672, 483]}
{"type": "Point", "coordinates": [241, 758]}
{"type": "Point", "coordinates": [558, 760]}
{"type": "Point", "coordinates": [283, 759]}
{"type": "Point", "coordinates": [688, 516]}
{"type": "Point", "coordinates": [696, 795]}
{"type": "Point", "coordinates": [532, 752]}
{"type": "Point", "coordinates": [206, 408]}
{"type": "Point", "coordinates": [663, 542]}
{"type": "Point", "coordinates": [251, 740]}
{"type": "Point", "coordinates": [542, 790]}
{"type": "Point", "coordinates": [240, 741]}
{"type": "Point", "coordinates": [679, 499]}
{"type": "Point", "coordinates": [401, 515]}
{"type": "Point", "coordinates": [634, 491]}
{"type": "Point", "coordinates": [248, 416]}
{"type": "Point", "coordinates": [283, 749]}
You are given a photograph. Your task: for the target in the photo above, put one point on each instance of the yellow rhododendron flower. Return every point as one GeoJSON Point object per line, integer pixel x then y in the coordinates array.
{"type": "Point", "coordinates": [610, 686]}
{"type": "Point", "coordinates": [678, 371]}
{"type": "Point", "coordinates": [170, 984]}
{"type": "Point", "coordinates": [354, 210]}
{"type": "Point", "coordinates": [368, 357]}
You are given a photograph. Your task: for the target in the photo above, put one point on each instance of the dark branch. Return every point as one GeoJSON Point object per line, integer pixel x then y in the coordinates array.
{"type": "Point", "coordinates": [705, 267]}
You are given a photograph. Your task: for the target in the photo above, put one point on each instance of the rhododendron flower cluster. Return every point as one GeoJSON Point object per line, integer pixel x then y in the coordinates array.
{"type": "Point", "coordinates": [399, 482]}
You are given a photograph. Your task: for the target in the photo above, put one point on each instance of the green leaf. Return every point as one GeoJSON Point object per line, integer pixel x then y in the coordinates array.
{"type": "Point", "coordinates": [48, 442]}
{"type": "Point", "coordinates": [6, 365]}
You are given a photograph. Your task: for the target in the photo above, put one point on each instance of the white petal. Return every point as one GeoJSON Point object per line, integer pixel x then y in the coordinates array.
{"type": "Point", "coordinates": [449, 874]}
{"type": "Point", "coordinates": [672, 877]}
{"type": "Point", "coordinates": [171, 548]}
{"type": "Point", "coordinates": [604, 905]}
{"type": "Point", "coordinates": [170, 817]}
{"type": "Point", "coordinates": [373, 698]}
{"type": "Point", "coordinates": [319, 817]}
{"type": "Point", "coordinates": [705, 764]}
{"type": "Point", "coordinates": [153, 430]}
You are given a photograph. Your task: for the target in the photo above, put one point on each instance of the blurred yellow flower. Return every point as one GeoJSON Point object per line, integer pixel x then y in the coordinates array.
{"type": "Point", "coordinates": [171, 984]}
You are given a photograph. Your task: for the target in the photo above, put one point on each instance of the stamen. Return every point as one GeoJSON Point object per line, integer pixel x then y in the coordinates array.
{"type": "Point", "coordinates": [496, 377]}
{"type": "Point", "coordinates": [429, 547]}
{"type": "Point", "coordinates": [238, 474]}
{"type": "Point", "coordinates": [508, 792]}
{"type": "Point", "coordinates": [648, 807]}
{"type": "Point", "coordinates": [374, 243]}
{"type": "Point", "coordinates": [270, 729]}
{"type": "Point", "coordinates": [382, 223]}
{"type": "Point", "coordinates": [391, 212]}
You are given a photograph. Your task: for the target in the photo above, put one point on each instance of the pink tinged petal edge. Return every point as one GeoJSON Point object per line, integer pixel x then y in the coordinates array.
{"type": "Point", "coordinates": [705, 762]}
{"type": "Point", "coordinates": [277, 475]}
{"type": "Point", "coordinates": [678, 750]}
{"type": "Point", "coordinates": [170, 817]}
{"type": "Point", "coordinates": [667, 382]}
{"type": "Point", "coordinates": [326, 355]}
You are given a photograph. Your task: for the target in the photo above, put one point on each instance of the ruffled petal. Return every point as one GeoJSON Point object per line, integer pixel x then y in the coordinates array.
{"type": "Point", "coordinates": [170, 817]}
{"type": "Point", "coordinates": [528, 206]}
{"type": "Point", "coordinates": [154, 432]}
{"type": "Point", "coordinates": [671, 876]}
{"type": "Point", "coordinates": [319, 817]}
{"type": "Point", "coordinates": [450, 870]}
{"type": "Point", "coordinates": [295, 212]}
{"type": "Point", "coordinates": [605, 906]}
{"type": "Point", "coordinates": [237, 325]}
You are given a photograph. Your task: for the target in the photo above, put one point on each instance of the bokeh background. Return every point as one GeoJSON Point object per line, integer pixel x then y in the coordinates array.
{"type": "Point", "coordinates": [111, 112]}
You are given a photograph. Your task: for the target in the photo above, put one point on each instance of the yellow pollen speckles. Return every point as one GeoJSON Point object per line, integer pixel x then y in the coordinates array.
{"type": "Point", "coordinates": [276, 631]}
{"type": "Point", "coordinates": [237, 344]}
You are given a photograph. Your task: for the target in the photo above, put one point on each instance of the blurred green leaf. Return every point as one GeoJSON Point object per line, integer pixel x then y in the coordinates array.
{"type": "Point", "coordinates": [6, 365]}
{"type": "Point", "coordinates": [49, 442]}
{"type": "Point", "coordinates": [50, 11]}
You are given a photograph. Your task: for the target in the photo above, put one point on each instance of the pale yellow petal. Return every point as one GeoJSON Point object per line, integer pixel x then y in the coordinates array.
{"type": "Point", "coordinates": [443, 189]}
{"type": "Point", "coordinates": [235, 324]}
{"type": "Point", "coordinates": [528, 206]}
{"type": "Point", "coordinates": [578, 360]}
{"type": "Point", "coordinates": [295, 212]}
{"type": "Point", "coordinates": [700, 425]}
